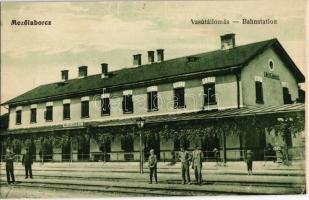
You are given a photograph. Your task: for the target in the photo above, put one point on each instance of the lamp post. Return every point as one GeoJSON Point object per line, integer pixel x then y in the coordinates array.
{"type": "Point", "coordinates": [140, 124]}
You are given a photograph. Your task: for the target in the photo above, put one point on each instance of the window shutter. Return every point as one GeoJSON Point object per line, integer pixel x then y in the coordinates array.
{"type": "Point", "coordinates": [105, 106]}
{"type": "Point", "coordinates": [127, 104]}
{"type": "Point", "coordinates": [82, 108]}
{"type": "Point", "coordinates": [149, 101]}
{"type": "Point", "coordinates": [209, 94]}
{"type": "Point", "coordinates": [85, 108]}
{"type": "Point", "coordinates": [179, 98]}
{"type": "Point", "coordinates": [130, 103]}
{"type": "Point", "coordinates": [66, 111]}
{"type": "Point", "coordinates": [176, 98]}
{"type": "Point", "coordinates": [259, 92]}
{"type": "Point", "coordinates": [33, 115]}
{"type": "Point", "coordinates": [155, 100]}
{"type": "Point", "coordinates": [182, 97]}
{"type": "Point", "coordinates": [289, 98]}
{"type": "Point", "coordinates": [123, 103]}
{"type": "Point", "coordinates": [18, 117]}
{"type": "Point", "coordinates": [286, 96]}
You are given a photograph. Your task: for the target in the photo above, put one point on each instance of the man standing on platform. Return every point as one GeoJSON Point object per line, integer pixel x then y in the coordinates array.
{"type": "Point", "coordinates": [27, 162]}
{"type": "Point", "coordinates": [249, 156]}
{"type": "Point", "coordinates": [197, 160]}
{"type": "Point", "coordinates": [216, 155]}
{"type": "Point", "coordinates": [152, 164]}
{"type": "Point", "coordinates": [9, 165]}
{"type": "Point", "coordinates": [185, 159]}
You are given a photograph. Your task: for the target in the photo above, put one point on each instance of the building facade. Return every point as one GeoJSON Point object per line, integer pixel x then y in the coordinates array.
{"type": "Point", "coordinates": [257, 75]}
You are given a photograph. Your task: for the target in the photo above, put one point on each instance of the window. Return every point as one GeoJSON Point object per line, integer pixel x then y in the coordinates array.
{"type": "Point", "coordinates": [127, 104]}
{"type": "Point", "coordinates": [179, 98]}
{"type": "Point", "coordinates": [66, 111]}
{"type": "Point", "coordinates": [105, 106]}
{"type": "Point", "coordinates": [49, 113]}
{"type": "Point", "coordinates": [85, 109]}
{"type": "Point", "coordinates": [271, 65]}
{"type": "Point", "coordinates": [259, 92]}
{"type": "Point", "coordinates": [286, 96]}
{"type": "Point", "coordinates": [33, 115]}
{"type": "Point", "coordinates": [18, 117]}
{"type": "Point", "coordinates": [209, 94]}
{"type": "Point", "coordinates": [152, 101]}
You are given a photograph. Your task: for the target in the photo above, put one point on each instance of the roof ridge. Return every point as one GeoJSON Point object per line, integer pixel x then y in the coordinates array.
{"type": "Point", "coordinates": [212, 51]}
{"type": "Point", "coordinates": [169, 68]}
{"type": "Point", "coordinates": [144, 65]}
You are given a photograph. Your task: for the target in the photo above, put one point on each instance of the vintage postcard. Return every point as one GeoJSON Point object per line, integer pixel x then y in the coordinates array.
{"type": "Point", "coordinates": [152, 98]}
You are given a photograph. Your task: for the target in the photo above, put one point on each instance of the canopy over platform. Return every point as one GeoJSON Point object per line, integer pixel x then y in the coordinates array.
{"type": "Point", "coordinates": [200, 115]}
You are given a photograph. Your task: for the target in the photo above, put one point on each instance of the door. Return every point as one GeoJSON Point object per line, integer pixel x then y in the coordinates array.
{"type": "Point", "coordinates": [83, 148]}
{"type": "Point", "coordinates": [152, 141]}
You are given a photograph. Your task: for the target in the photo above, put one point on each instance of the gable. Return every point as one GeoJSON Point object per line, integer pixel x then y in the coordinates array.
{"type": "Point", "coordinates": [271, 75]}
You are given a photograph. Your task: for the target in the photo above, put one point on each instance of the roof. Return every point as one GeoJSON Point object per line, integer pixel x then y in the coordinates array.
{"type": "Point", "coordinates": [163, 119]}
{"type": "Point", "coordinates": [205, 62]}
{"type": "Point", "coordinates": [216, 114]}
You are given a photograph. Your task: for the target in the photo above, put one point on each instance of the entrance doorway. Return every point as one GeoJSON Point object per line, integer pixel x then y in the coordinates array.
{"type": "Point", "coordinates": [127, 145]}
{"type": "Point", "coordinates": [105, 148]}
{"type": "Point", "coordinates": [32, 149]}
{"type": "Point", "coordinates": [181, 141]}
{"type": "Point", "coordinates": [152, 141]}
{"type": "Point", "coordinates": [83, 150]}
{"type": "Point", "coordinates": [256, 142]}
{"type": "Point", "coordinates": [66, 151]}
{"type": "Point", "coordinates": [47, 151]}
{"type": "Point", "coordinates": [209, 143]}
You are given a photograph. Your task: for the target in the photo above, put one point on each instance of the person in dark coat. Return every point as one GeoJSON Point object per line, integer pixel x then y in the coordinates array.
{"type": "Point", "coordinates": [249, 161]}
{"type": "Point", "coordinates": [185, 159]}
{"type": "Point", "coordinates": [27, 161]}
{"type": "Point", "coordinates": [197, 159]}
{"type": "Point", "coordinates": [9, 165]}
{"type": "Point", "coordinates": [152, 164]}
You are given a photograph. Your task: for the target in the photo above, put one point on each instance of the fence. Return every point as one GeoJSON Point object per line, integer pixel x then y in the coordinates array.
{"type": "Point", "coordinates": [294, 153]}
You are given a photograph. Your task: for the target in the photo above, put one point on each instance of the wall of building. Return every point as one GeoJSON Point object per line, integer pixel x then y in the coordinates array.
{"type": "Point", "coordinates": [272, 88]}
{"type": "Point", "coordinates": [226, 91]}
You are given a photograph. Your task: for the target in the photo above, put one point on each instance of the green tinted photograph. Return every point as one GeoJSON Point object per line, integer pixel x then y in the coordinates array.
{"type": "Point", "coordinates": [152, 98]}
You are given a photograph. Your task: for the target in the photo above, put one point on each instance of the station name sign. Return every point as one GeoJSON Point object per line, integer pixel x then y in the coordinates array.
{"type": "Point", "coordinates": [271, 75]}
{"type": "Point", "coordinates": [74, 124]}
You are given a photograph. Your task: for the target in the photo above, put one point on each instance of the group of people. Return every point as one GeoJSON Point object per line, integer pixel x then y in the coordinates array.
{"type": "Point", "coordinates": [27, 162]}
{"type": "Point", "coordinates": [195, 160]}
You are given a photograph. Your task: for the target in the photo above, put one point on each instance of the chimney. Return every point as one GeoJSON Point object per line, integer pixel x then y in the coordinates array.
{"type": "Point", "coordinates": [64, 75]}
{"type": "Point", "coordinates": [104, 67]}
{"type": "Point", "coordinates": [82, 71]}
{"type": "Point", "coordinates": [160, 55]}
{"type": "Point", "coordinates": [227, 41]}
{"type": "Point", "coordinates": [137, 59]}
{"type": "Point", "coordinates": [151, 56]}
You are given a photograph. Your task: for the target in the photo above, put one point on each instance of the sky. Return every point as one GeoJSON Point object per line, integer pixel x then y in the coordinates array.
{"type": "Point", "coordinates": [89, 34]}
